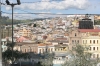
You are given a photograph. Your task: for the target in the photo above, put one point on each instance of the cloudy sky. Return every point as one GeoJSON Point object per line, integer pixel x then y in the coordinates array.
{"type": "Point", "coordinates": [52, 6]}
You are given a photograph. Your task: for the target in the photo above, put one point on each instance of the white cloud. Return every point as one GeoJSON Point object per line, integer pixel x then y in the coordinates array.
{"type": "Point", "coordinates": [8, 7]}
{"type": "Point", "coordinates": [50, 15]}
{"type": "Point", "coordinates": [19, 16]}
{"type": "Point", "coordinates": [45, 0]}
{"type": "Point", "coordinates": [78, 4]}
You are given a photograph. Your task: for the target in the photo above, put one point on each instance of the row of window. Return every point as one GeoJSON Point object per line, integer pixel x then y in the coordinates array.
{"type": "Point", "coordinates": [75, 41]}
{"type": "Point", "coordinates": [28, 50]}
{"type": "Point", "coordinates": [91, 42]}
{"type": "Point", "coordinates": [43, 50]}
{"type": "Point", "coordinates": [94, 48]}
{"type": "Point", "coordinates": [95, 55]}
{"type": "Point", "coordinates": [60, 49]}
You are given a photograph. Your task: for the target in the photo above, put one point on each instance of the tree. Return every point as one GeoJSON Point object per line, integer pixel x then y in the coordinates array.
{"type": "Point", "coordinates": [80, 57]}
{"type": "Point", "coordinates": [48, 59]}
{"type": "Point", "coordinates": [12, 55]}
{"type": "Point", "coordinates": [29, 24]}
{"type": "Point", "coordinates": [96, 22]}
{"type": "Point", "coordinates": [34, 25]}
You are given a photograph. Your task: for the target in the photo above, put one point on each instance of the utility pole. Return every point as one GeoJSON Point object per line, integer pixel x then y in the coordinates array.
{"type": "Point", "coordinates": [0, 38]}
{"type": "Point", "coordinates": [12, 5]}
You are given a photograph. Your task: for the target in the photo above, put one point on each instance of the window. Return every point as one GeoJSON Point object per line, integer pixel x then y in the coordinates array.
{"type": "Point", "coordinates": [84, 41]}
{"type": "Point", "coordinates": [93, 41]}
{"type": "Point", "coordinates": [93, 55]}
{"type": "Point", "coordinates": [58, 49]}
{"type": "Point", "coordinates": [97, 41]}
{"type": "Point", "coordinates": [77, 41]}
{"type": "Point", "coordinates": [90, 48]}
{"type": "Point", "coordinates": [61, 49]}
{"type": "Point", "coordinates": [25, 50]}
{"type": "Point", "coordinates": [97, 48]}
{"type": "Point", "coordinates": [60, 43]}
{"type": "Point", "coordinates": [75, 34]}
{"type": "Point", "coordinates": [51, 49]}
{"type": "Point", "coordinates": [90, 41]}
{"type": "Point", "coordinates": [72, 41]}
{"type": "Point", "coordinates": [55, 49]}
{"type": "Point", "coordinates": [93, 48]}
{"type": "Point", "coordinates": [97, 55]}
{"type": "Point", "coordinates": [40, 50]}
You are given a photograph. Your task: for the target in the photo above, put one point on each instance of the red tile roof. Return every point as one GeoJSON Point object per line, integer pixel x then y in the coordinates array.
{"type": "Point", "coordinates": [89, 30]}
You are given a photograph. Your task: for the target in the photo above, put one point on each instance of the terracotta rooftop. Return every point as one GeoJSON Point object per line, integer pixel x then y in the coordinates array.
{"type": "Point", "coordinates": [89, 30]}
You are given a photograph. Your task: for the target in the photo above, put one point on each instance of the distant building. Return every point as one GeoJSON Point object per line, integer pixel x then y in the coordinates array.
{"type": "Point", "coordinates": [25, 32]}
{"type": "Point", "coordinates": [26, 47]}
{"type": "Point", "coordinates": [86, 23]}
{"type": "Point", "coordinates": [45, 47]}
{"type": "Point", "coordinates": [6, 33]}
{"type": "Point", "coordinates": [74, 38]}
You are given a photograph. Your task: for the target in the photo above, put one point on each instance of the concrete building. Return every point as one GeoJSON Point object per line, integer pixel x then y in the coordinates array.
{"type": "Point", "coordinates": [45, 47]}
{"type": "Point", "coordinates": [74, 38]}
{"type": "Point", "coordinates": [24, 31]}
{"type": "Point", "coordinates": [26, 47]}
{"type": "Point", "coordinates": [91, 39]}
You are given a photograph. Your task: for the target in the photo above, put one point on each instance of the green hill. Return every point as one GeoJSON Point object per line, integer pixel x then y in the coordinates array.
{"type": "Point", "coordinates": [7, 21]}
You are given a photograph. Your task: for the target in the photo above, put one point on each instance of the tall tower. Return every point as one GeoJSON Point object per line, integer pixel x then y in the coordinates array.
{"type": "Point", "coordinates": [86, 23]}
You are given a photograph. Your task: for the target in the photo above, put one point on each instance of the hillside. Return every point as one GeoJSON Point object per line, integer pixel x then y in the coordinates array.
{"type": "Point", "coordinates": [7, 21]}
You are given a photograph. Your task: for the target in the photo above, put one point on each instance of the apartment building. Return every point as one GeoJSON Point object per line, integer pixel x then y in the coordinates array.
{"type": "Point", "coordinates": [91, 39]}
{"type": "Point", "coordinates": [24, 31]}
{"type": "Point", "coordinates": [88, 38]}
